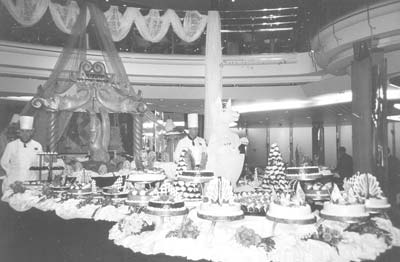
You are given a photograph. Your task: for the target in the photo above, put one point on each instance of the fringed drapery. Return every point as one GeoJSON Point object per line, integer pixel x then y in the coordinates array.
{"type": "Point", "coordinates": [152, 27]}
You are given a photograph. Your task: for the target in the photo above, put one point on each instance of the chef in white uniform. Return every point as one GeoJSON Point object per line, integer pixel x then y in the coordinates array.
{"type": "Point", "coordinates": [195, 144]}
{"type": "Point", "coordinates": [21, 154]}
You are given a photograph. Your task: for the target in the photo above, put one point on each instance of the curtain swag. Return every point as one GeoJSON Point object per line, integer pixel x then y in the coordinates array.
{"type": "Point", "coordinates": [152, 27]}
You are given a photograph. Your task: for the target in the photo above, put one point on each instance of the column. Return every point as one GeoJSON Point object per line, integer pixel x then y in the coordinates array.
{"type": "Point", "coordinates": [137, 134]}
{"type": "Point", "coordinates": [213, 68]}
{"type": "Point", "coordinates": [318, 143]}
{"type": "Point", "coordinates": [291, 153]}
{"type": "Point", "coordinates": [368, 84]}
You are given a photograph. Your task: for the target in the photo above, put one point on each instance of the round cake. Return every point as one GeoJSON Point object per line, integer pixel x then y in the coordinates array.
{"type": "Point", "coordinates": [139, 197]}
{"type": "Point", "coordinates": [214, 211]}
{"type": "Point", "coordinates": [166, 208]}
{"type": "Point", "coordinates": [377, 204]}
{"type": "Point", "coordinates": [290, 214]}
{"type": "Point", "coordinates": [344, 212]}
{"type": "Point", "coordinates": [197, 176]}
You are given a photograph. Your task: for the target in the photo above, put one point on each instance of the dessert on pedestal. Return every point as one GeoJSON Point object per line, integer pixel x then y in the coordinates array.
{"type": "Point", "coordinates": [367, 187]}
{"type": "Point", "coordinates": [345, 207]}
{"type": "Point", "coordinates": [219, 202]}
{"type": "Point", "coordinates": [167, 203]}
{"type": "Point", "coordinates": [289, 208]}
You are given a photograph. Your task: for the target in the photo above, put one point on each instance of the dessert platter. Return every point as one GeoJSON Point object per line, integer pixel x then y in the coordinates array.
{"type": "Point", "coordinates": [367, 187]}
{"type": "Point", "coordinates": [345, 207]}
{"type": "Point", "coordinates": [167, 203]}
{"type": "Point", "coordinates": [218, 203]}
{"type": "Point", "coordinates": [115, 191]}
{"type": "Point", "coordinates": [289, 208]}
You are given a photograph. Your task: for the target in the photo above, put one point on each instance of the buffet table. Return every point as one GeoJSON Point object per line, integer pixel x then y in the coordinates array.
{"type": "Point", "coordinates": [50, 230]}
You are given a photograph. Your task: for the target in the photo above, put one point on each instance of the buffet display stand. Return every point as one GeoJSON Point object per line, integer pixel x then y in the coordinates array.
{"type": "Point", "coordinates": [289, 239]}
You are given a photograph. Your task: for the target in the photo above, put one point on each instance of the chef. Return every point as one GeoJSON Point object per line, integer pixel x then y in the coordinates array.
{"type": "Point", "coordinates": [191, 141]}
{"type": "Point", "coordinates": [21, 154]}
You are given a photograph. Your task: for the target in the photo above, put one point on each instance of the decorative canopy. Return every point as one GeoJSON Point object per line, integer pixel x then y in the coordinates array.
{"type": "Point", "coordinates": [78, 85]}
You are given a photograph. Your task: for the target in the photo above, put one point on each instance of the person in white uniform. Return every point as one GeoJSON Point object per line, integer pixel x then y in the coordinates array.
{"type": "Point", "coordinates": [21, 154]}
{"type": "Point", "coordinates": [192, 142]}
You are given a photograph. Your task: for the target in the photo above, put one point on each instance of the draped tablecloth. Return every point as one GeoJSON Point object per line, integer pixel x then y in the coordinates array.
{"type": "Point", "coordinates": [216, 243]}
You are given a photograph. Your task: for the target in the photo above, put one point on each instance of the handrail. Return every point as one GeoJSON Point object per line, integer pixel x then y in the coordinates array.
{"type": "Point", "coordinates": [357, 12]}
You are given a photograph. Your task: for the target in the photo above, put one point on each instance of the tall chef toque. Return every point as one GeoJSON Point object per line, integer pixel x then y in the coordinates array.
{"type": "Point", "coordinates": [26, 122]}
{"type": "Point", "coordinates": [193, 120]}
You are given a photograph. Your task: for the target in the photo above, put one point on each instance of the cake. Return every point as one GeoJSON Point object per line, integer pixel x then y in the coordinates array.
{"type": "Point", "coordinates": [367, 187]}
{"type": "Point", "coordinates": [303, 173]}
{"type": "Point", "coordinates": [290, 208]}
{"type": "Point", "coordinates": [345, 206]}
{"type": "Point", "coordinates": [274, 176]}
{"type": "Point", "coordinates": [218, 203]}
{"type": "Point", "coordinates": [167, 203]}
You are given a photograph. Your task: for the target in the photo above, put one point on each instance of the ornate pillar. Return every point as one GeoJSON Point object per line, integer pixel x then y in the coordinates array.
{"type": "Point", "coordinates": [137, 133]}
{"type": "Point", "coordinates": [53, 131]}
{"type": "Point", "coordinates": [318, 143]}
{"type": "Point", "coordinates": [213, 81]}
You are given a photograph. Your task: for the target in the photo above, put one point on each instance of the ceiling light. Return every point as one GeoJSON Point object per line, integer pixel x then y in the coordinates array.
{"type": "Point", "coordinates": [17, 98]}
{"type": "Point", "coordinates": [397, 106]}
{"type": "Point", "coordinates": [394, 118]}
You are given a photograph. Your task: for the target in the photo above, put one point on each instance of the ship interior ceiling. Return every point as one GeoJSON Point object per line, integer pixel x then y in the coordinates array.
{"type": "Point", "coordinates": [249, 27]}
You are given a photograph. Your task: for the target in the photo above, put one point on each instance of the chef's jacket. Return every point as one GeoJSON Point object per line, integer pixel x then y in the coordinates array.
{"type": "Point", "coordinates": [17, 158]}
{"type": "Point", "coordinates": [197, 146]}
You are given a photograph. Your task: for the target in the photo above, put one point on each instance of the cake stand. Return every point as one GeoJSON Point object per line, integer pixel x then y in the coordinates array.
{"type": "Point", "coordinates": [350, 220]}
{"type": "Point", "coordinates": [278, 220]}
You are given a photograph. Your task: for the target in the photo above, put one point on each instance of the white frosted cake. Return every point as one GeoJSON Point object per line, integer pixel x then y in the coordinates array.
{"type": "Point", "coordinates": [367, 187]}
{"type": "Point", "coordinates": [345, 206]}
{"type": "Point", "coordinates": [376, 203]}
{"type": "Point", "coordinates": [224, 210]}
{"type": "Point", "coordinates": [290, 212]}
{"type": "Point", "coordinates": [290, 209]}
{"type": "Point", "coordinates": [344, 210]}
{"type": "Point", "coordinates": [219, 202]}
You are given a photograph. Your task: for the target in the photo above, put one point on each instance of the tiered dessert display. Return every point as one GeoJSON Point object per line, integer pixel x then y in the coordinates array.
{"type": "Point", "coordinates": [346, 207]}
{"type": "Point", "coordinates": [167, 203]}
{"type": "Point", "coordinates": [274, 176]}
{"type": "Point", "coordinates": [367, 187]}
{"type": "Point", "coordinates": [218, 204]}
{"type": "Point", "coordinates": [189, 191]}
{"type": "Point", "coordinates": [290, 208]}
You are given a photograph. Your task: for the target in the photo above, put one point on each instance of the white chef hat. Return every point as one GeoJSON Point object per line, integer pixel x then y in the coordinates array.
{"type": "Point", "coordinates": [14, 119]}
{"type": "Point", "coordinates": [26, 122]}
{"type": "Point", "coordinates": [193, 120]}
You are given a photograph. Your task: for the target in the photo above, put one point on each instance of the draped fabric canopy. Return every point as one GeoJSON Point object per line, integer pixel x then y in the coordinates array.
{"type": "Point", "coordinates": [153, 27]}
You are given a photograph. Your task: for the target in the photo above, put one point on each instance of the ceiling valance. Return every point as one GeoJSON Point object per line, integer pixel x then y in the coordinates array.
{"type": "Point", "coordinates": [152, 27]}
